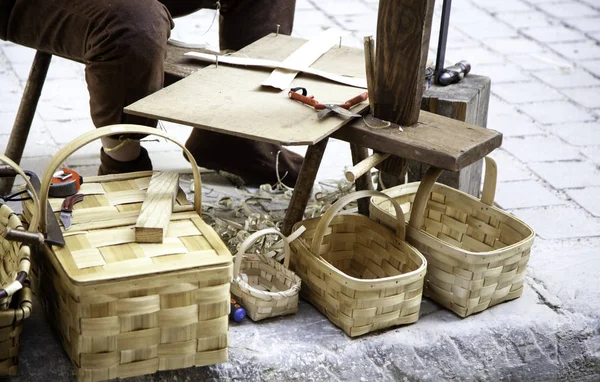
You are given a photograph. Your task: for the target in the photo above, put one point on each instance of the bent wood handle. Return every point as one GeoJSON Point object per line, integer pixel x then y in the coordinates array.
{"type": "Point", "coordinates": [101, 132]}
{"type": "Point", "coordinates": [365, 165]}
{"type": "Point", "coordinates": [35, 219]}
{"type": "Point", "coordinates": [343, 201]}
{"type": "Point", "coordinates": [422, 196]}
{"type": "Point", "coordinates": [251, 239]}
{"type": "Point", "coordinates": [267, 231]}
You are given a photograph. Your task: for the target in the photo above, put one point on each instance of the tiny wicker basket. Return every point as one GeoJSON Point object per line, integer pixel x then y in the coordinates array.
{"type": "Point", "coordinates": [263, 286]}
{"type": "Point", "coordinates": [15, 294]}
{"type": "Point", "coordinates": [477, 254]}
{"type": "Point", "coordinates": [358, 273]}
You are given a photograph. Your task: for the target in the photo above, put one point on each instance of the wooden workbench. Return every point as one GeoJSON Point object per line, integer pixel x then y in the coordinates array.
{"type": "Point", "coordinates": [230, 100]}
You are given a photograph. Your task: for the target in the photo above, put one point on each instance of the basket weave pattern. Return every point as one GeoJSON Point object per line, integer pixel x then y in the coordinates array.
{"type": "Point", "coordinates": [138, 327]}
{"type": "Point", "coordinates": [477, 254]}
{"type": "Point", "coordinates": [14, 309]}
{"type": "Point", "coordinates": [124, 308]}
{"type": "Point", "coordinates": [359, 274]}
{"type": "Point", "coordinates": [15, 294]}
{"type": "Point", "coordinates": [265, 287]}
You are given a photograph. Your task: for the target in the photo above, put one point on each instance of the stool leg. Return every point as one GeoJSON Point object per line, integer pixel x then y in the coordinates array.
{"type": "Point", "coordinates": [362, 182]}
{"type": "Point", "coordinates": [22, 125]}
{"type": "Point", "coordinates": [304, 185]}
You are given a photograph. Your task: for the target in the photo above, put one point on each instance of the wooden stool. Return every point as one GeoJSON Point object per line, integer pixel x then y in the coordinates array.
{"type": "Point", "coordinates": [176, 67]}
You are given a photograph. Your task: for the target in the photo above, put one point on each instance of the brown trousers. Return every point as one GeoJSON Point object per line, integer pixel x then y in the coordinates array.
{"type": "Point", "coordinates": [123, 45]}
{"type": "Point", "coordinates": [123, 42]}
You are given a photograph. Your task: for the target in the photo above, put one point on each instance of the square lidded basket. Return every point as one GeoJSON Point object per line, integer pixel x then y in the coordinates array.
{"type": "Point", "coordinates": [123, 308]}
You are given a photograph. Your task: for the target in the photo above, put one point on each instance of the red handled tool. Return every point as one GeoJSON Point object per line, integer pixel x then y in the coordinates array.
{"type": "Point", "coordinates": [66, 209]}
{"type": "Point", "coordinates": [65, 182]}
{"type": "Point", "coordinates": [327, 108]}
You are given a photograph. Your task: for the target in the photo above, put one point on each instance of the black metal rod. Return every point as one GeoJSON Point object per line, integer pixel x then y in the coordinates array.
{"type": "Point", "coordinates": [441, 50]}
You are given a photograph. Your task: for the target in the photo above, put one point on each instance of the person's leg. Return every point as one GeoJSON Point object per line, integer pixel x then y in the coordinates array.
{"type": "Point", "coordinates": [121, 42]}
{"type": "Point", "coordinates": [241, 23]}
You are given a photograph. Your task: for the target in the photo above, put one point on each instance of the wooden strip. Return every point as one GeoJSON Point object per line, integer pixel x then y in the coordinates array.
{"type": "Point", "coordinates": [306, 55]}
{"type": "Point", "coordinates": [87, 258]}
{"type": "Point", "coordinates": [151, 226]}
{"type": "Point", "coordinates": [105, 238]}
{"type": "Point", "coordinates": [169, 246]}
{"type": "Point", "coordinates": [271, 64]}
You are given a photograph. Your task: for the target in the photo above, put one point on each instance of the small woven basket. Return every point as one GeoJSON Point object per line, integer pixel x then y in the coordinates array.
{"type": "Point", "coordinates": [358, 273]}
{"type": "Point", "coordinates": [263, 286]}
{"type": "Point", "coordinates": [477, 254]}
{"type": "Point", "coordinates": [15, 294]}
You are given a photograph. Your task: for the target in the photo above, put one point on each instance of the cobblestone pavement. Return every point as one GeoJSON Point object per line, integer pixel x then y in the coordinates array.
{"type": "Point", "coordinates": [543, 57]}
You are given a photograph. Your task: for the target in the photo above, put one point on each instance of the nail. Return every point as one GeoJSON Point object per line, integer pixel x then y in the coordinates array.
{"type": "Point", "coordinates": [217, 60]}
{"type": "Point", "coordinates": [340, 41]}
{"type": "Point", "coordinates": [278, 26]}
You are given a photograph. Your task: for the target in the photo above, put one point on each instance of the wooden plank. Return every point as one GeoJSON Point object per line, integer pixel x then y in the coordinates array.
{"type": "Point", "coordinates": [434, 140]}
{"type": "Point", "coordinates": [155, 214]}
{"type": "Point", "coordinates": [230, 99]}
{"type": "Point", "coordinates": [403, 31]}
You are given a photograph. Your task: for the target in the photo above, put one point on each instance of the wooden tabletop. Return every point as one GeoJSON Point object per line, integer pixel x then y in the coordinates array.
{"type": "Point", "coordinates": [231, 100]}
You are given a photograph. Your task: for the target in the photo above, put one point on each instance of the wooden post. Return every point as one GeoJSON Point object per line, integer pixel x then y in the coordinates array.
{"type": "Point", "coordinates": [363, 182]}
{"type": "Point", "coordinates": [465, 101]}
{"type": "Point", "coordinates": [403, 32]}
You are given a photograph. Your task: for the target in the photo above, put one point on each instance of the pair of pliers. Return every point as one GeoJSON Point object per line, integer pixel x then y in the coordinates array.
{"type": "Point", "coordinates": [325, 109]}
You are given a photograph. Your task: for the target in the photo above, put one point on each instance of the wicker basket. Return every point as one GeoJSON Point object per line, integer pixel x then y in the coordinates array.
{"type": "Point", "coordinates": [477, 254]}
{"type": "Point", "coordinates": [357, 272]}
{"type": "Point", "coordinates": [15, 294]}
{"type": "Point", "coordinates": [122, 308]}
{"type": "Point", "coordinates": [263, 286]}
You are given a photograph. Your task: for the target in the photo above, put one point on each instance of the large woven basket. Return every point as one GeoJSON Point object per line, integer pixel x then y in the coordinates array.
{"type": "Point", "coordinates": [124, 308]}
{"type": "Point", "coordinates": [477, 254]}
{"type": "Point", "coordinates": [263, 286]}
{"type": "Point", "coordinates": [362, 276]}
{"type": "Point", "coordinates": [15, 294]}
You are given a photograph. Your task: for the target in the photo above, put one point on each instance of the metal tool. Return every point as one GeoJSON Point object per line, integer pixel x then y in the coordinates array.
{"type": "Point", "coordinates": [325, 109]}
{"type": "Point", "coordinates": [443, 38]}
{"type": "Point", "coordinates": [66, 209]}
{"type": "Point", "coordinates": [54, 235]}
{"type": "Point", "coordinates": [454, 73]}
{"type": "Point", "coordinates": [64, 183]}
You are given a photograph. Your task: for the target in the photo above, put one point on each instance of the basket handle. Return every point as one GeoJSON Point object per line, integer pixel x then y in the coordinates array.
{"type": "Point", "coordinates": [101, 132]}
{"type": "Point", "coordinates": [339, 205]}
{"type": "Point", "coordinates": [267, 231]}
{"type": "Point", "coordinates": [36, 203]}
{"type": "Point", "coordinates": [487, 196]}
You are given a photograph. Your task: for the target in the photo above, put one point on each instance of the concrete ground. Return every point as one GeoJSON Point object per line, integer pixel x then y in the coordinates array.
{"type": "Point", "coordinates": [544, 60]}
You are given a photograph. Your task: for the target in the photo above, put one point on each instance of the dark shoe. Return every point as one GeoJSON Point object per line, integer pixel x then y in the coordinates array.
{"type": "Point", "coordinates": [253, 161]}
{"type": "Point", "coordinates": [109, 165]}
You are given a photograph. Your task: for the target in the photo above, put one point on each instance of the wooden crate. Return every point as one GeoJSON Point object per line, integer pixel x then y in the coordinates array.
{"type": "Point", "coordinates": [123, 308]}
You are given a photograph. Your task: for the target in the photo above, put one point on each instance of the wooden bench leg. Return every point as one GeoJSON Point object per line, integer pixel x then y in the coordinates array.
{"type": "Point", "coordinates": [363, 182]}
{"type": "Point", "coordinates": [304, 185]}
{"type": "Point", "coordinates": [22, 125]}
